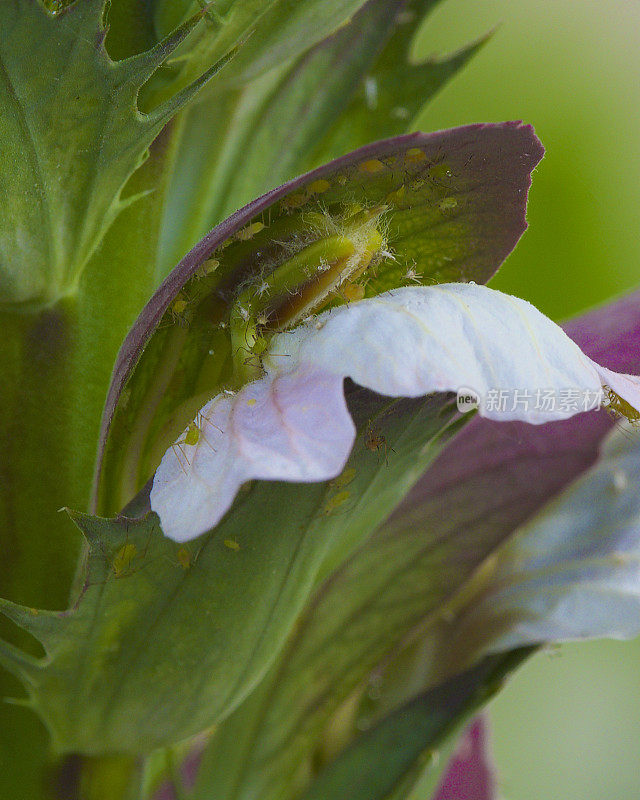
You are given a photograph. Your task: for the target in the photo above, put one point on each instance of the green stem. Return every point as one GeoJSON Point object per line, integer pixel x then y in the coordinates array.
{"type": "Point", "coordinates": [40, 454]}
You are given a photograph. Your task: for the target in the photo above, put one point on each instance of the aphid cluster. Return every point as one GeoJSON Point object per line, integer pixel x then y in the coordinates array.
{"type": "Point", "coordinates": [325, 244]}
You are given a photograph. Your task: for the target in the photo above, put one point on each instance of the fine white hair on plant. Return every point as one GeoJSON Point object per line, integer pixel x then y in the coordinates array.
{"type": "Point", "coordinates": [293, 423]}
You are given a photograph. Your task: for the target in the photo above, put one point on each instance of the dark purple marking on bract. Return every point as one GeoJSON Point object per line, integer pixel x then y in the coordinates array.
{"type": "Point", "coordinates": [500, 157]}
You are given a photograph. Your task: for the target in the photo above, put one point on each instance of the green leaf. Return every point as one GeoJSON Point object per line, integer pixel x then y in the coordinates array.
{"type": "Point", "coordinates": [165, 640]}
{"type": "Point", "coordinates": [57, 361]}
{"type": "Point", "coordinates": [239, 143]}
{"type": "Point", "coordinates": [396, 87]}
{"type": "Point", "coordinates": [380, 759]}
{"type": "Point", "coordinates": [273, 31]}
{"type": "Point", "coordinates": [72, 136]}
{"type": "Point", "coordinates": [57, 366]}
{"type": "Point", "coordinates": [315, 697]}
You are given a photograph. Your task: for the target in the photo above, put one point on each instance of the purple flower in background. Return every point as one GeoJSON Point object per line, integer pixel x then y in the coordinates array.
{"type": "Point", "coordinates": [469, 774]}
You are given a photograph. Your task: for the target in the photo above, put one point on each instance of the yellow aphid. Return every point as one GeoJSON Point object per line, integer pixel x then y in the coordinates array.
{"type": "Point", "coordinates": [123, 558]}
{"type": "Point", "coordinates": [414, 155]}
{"type": "Point", "coordinates": [342, 179]}
{"type": "Point", "coordinates": [184, 558]}
{"type": "Point", "coordinates": [250, 231]}
{"type": "Point", "coordinates": [397, 196]}
{"type": "Point", "coordinates": [617, 405]}
{"type": "Point", "coordinates": [294, 201]}
{"type": "Point", "coordinates": [319, 186]}
{"type": "Point", "coordinates": [448, 204]}
{"type": "Point", "coordinates": [252, 401]}
{"type": "Point", "coordinates": [351, 209]}
{"type": "Point", "coordinates": [231, 544]}
{"type": "Point", "coordinates": [353, 292]}
{"type": "Point", "coordinates": [344, 478]}
{"type": "Point", "coordinates": [179, 305]}
{"type": "Point", "coordinates": [192, 436]}
{"type": "Point", "coordinates": [336, 501]}
{"type": "Point", "coordinates": [373, 165]}
{"type": "Point", "coordinates": [207, 267]}
{"type": "Point", "coordinates": [439, 172]}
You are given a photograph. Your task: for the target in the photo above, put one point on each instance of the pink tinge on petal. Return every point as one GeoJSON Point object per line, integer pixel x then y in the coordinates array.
{"type": "Point", "coordinates": [293, 427]}
{"type": "Point", "coordinates": [469, 774]}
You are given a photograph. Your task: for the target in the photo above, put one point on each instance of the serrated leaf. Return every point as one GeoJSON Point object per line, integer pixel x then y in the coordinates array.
{"type": "Point", "coordinates": [273, 31]}
{"type": "Point", "coordinates": [165, 639]}
{"type": "Point", "coordinates": [396, 88]}
{"type": "Point", "coordinates": [452, 207]}
{"type": "Point", "coordinates": [239, 143]}
{"type": "Point", "coordinates": [72, 136]}
{"type": "Point", "coordinates": [57, 367]}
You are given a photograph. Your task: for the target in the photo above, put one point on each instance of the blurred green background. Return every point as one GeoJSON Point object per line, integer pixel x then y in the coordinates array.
{"type": "Point", "coordinates": [568, 725]}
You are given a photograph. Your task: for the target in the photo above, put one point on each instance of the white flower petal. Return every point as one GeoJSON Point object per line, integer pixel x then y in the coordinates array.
{"type": "Point", "coordinates": [416, 340]}
{"type": "Point", "coordinates": [293, 424]}
{"type": "Point", "coordinates": [625, 386]}
{"type": "Point", "coordinates": [293, 427]}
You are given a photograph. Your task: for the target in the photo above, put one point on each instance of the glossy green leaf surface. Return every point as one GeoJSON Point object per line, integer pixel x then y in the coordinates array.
{"type": "Point", "coordinates": [237, 144]}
